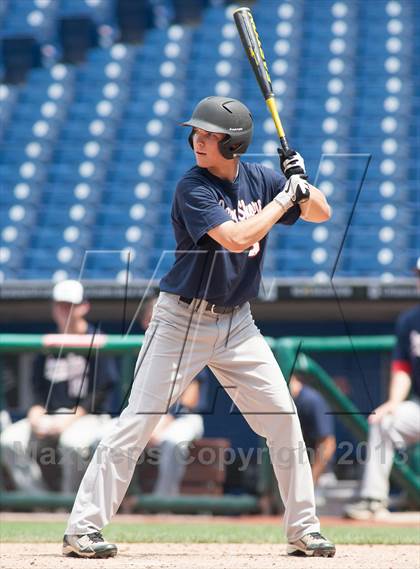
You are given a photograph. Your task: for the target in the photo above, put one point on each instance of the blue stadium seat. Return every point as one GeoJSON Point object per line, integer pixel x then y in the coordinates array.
{"type": "Point", "coordinates": [90, 154]}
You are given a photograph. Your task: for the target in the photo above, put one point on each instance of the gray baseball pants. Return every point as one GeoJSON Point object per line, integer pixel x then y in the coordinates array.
{"type": "Point", "coordinates": [395, 431]}
{"type": "Point", "coordinates": [180, 341]}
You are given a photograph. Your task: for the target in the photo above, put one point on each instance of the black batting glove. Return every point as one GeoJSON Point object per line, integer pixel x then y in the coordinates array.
{"type": "Point", "coordinates": [292, 163]}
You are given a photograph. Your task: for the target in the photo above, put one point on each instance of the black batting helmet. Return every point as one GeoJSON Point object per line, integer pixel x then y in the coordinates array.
{"type": "Point", "coordinates": [226, 116]}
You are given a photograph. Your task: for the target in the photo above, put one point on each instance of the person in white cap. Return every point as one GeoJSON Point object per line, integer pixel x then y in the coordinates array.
{"type": "Point", "coordinates": [68, 415]}
{"type": "Point", "coordinates": [396, 423]}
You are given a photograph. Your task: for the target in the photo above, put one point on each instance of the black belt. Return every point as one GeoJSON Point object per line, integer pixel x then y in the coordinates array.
{"type": "Point", "coordinates": [211, 307]}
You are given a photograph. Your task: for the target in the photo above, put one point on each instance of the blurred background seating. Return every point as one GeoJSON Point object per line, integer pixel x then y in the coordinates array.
{"type": "Point", "coordinates": [90, 150]}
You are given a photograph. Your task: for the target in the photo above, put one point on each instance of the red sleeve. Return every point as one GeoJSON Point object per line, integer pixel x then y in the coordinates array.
{"type": "Point", "coordinates": [401, 365]}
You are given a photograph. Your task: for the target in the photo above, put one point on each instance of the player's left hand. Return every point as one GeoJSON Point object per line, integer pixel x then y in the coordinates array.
{"type": "Point", "coordinates": [292, 163]}
{"type": "Point", "coordinates": [296, 191]}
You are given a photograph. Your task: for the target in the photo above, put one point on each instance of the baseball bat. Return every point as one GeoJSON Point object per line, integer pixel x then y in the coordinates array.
{"type": "Point", "coordinates": [252, 45]}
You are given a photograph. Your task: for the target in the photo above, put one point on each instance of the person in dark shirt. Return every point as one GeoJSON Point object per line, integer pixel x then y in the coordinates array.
{"type": "Point", "coordinates": [317, 425]}
{"type": "Point", "coordinates": [223, 210]}
{"type": "Point", "coordinates": [394, 424]}
{"type": "Point", "coordinates": [71, 403]}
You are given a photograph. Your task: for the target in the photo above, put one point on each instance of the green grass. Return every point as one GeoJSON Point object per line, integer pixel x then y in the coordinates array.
{"type": "Point", "coordinates": [14, 531]}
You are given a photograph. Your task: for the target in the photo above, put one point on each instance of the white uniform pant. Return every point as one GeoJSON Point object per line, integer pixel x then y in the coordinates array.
{"type": "Point", "coordinates": [395, 431]}
{"type": "Point", "coordinates": [179, 343]}
{"type": "Point", "coordinates": [173, 445]}
{"type": "Point", "coordinates": [18, 450]}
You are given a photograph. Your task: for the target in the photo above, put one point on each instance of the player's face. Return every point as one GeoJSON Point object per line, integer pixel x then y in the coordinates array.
{"type": "Point", "coordinates": [206, 148]}
{"type": "Point", "coordinates": [66, 315]}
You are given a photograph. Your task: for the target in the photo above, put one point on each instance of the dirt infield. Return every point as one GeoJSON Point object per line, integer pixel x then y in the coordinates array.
{"type": "Point", "coordinates": [209, 556]}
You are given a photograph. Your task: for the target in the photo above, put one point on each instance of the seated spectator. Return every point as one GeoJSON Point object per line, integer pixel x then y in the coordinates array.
{"type": "Point", "coordinates": [396, 423]}
{"type": "Point", "coordinates": [71, 392]}
{"type": "Point", "coordinates": [317, 428]}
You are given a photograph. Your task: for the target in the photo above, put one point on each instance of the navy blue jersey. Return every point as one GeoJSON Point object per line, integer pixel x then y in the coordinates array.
{"type": "Point", "coordinates": [203, 268]}
{"type": "Point", "coordinates": [314, 416]}
{"type": "Point", "coordinates": [72, 380]}
{"type": "Point", "coordinates": [406, 354]}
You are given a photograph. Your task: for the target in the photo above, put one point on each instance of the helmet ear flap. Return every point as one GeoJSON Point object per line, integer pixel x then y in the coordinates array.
{"type": "Point", "coordinates": [229, 150]}
{"type": "Point", "coordinates": [224, 147]}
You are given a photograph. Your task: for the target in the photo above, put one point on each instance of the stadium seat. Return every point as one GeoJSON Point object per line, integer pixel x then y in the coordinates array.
{"type": "Point", "coordinates": [90, 154]}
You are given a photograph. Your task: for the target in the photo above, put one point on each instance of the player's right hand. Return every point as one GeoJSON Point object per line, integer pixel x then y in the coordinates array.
{"type": "Point", "coordinates": [292, 163]}
{"type": "Point", "coordinates": [387, 408]}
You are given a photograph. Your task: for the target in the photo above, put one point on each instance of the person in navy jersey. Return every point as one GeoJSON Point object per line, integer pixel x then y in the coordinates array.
{"type": "Point", "coordinates": [396, 423]}
{"type": "Point", "coordinates": [222, 212]}
{"type": "Point", "coordinates": [203, 267]}
{"type": "Point", "coordinates": [317, 425]}
{"type": "Point", "coordinates": [71, 404]}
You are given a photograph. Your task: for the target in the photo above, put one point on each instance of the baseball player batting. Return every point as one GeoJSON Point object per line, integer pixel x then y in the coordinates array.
{"type": "Point", "coordinates": [222, 212]}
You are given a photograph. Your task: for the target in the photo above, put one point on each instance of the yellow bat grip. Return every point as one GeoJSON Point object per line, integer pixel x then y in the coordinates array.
{"type": "Point", "coordinates": [271, 104]}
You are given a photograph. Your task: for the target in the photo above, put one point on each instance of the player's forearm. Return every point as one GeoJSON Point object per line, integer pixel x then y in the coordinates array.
{"type": "Point", "coordinates": [316, 209]}
{"type": "Point", "coordinates": [191, 395]}
{"type": "Point", "coordinates": [34, 414]}
{"type": "Point", "coordinates": [160, 428]}
{"type": "Point", "coordinates": [253, 229]}
{"type": "Point", "coordinates": [323, 454]}
{"type": "Point", "coordinates": [399, 387]}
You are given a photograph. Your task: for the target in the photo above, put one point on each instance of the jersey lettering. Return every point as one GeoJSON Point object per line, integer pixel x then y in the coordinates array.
{"type": "Point", "coordinates": [245, 211]}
